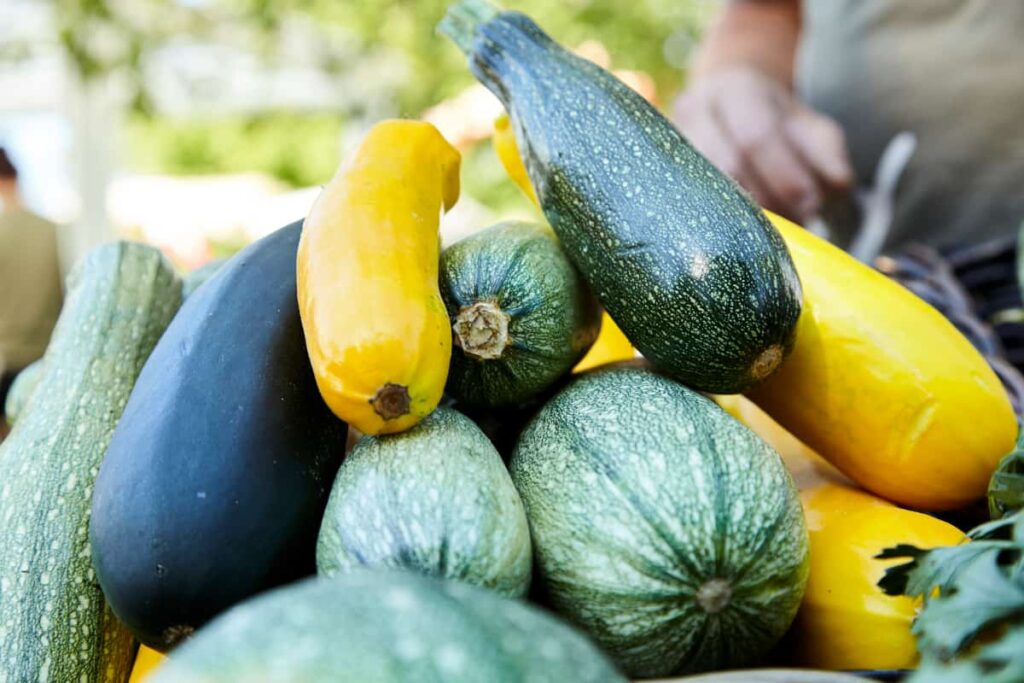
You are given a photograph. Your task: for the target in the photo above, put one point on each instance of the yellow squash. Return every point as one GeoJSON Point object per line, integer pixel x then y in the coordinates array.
{"type": "Point", "coordinates": [146, 662]}
{"type": "Point", "coordinates": [884, 387]}
{"type": "Point", "coordinates": [376, 328]}
{"type": "Point", "coordinates": [845, 620]}
{"type": "Point", "coordinates": [611, 344]}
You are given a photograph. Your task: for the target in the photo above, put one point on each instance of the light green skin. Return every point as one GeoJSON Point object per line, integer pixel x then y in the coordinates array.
{"type": "Point", "coordinates": [639, 492]}
{"type": "Point", "coordinates": [21, 391]}
{"type": "Point", "coordinates": [386, 627]}
{"type": "Point", "coordinates": [54, 622]}
{"type": "Point", "coordinates": [436, 499]}
{"type": "Point", "coordinates": [553, 317]}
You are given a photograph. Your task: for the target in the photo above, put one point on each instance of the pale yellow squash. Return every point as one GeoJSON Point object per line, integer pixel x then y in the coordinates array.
{"type": "Point", "coordinates": [611, 344]}
{"type": "Point", "coordinates": [376, 328]}
{"type": "Point", "coordinates": [884, 387]}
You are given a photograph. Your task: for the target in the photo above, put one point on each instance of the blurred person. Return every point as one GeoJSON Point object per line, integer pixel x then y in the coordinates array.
{"type": "Point", "coordinates": [797, 100]}
{"type": "Point", "coordinates": [31, 291]}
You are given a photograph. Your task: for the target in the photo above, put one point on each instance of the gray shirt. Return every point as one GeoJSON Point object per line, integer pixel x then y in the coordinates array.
{"type": "Point", "coordinates": [952, 72]}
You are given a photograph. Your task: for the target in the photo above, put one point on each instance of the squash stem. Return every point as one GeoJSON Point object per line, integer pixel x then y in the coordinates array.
{"type": "Point", "coordinates": [391, 401]}
{"type": "Point", "coordinates": [714, 595]}
{"type": "Point", "coordinates": [463, 19]}
{"type": "Point", "coordinates": [481, 330]}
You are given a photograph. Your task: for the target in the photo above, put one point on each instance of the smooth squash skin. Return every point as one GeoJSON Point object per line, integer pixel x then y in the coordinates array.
{"type": "Point", "coordinates": [611, 344]}
{"type": "Point", "coordinates": [884, 387]}
{"type": "Point", "coordinates": [845, 620]}
{"type": "Point", "coordinates": [435, 499]}
{"type": "Point", "coordinates": [376, 328]}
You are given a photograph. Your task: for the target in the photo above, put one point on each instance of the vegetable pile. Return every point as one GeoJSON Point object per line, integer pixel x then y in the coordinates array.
{"type": "Point", "coordinates": [521, 502]}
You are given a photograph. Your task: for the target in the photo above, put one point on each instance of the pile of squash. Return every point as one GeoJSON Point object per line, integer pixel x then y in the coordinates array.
{"type": "Point", "coordinates": [460, 444]}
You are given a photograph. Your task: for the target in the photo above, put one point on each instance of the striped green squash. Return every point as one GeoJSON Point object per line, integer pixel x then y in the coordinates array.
{"type": "Point", "coordinates": [436, 499]}
{"type": "Point", "coordinates": [54, 623]}
{"type": "Point", "coordinates": [662, 526]}
{"type": "Point", "coordinates": [386, 627]}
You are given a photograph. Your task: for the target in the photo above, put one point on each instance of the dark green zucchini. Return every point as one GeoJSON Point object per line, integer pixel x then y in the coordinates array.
{"type": "Point", "coordinates": [387, 627]}
{"type": "Point", "coordinates": [663, 527]}
{"type": "Point", "coordinates": [436, 499]}
{"type": "Point", "coordinates": [522, 315]}
{"type": "Point", "coordinates": [54, 623]}
{"type": "Point", "coordinates": [683, 261]}
{"type": "Point", "coordinates": [216, 479]}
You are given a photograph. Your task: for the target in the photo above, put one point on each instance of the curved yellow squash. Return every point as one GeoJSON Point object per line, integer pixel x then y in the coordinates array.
{"type": "Point", "coordinates": [845, 621]}
{"type": "Point", "coordinates": [376, 328]}
{"type": "Point", "coordinates": [884, 387]}
{"type": "Point", "coordinates": [146, 662]}
{"type": "Point", "coordinates": [611, 344]}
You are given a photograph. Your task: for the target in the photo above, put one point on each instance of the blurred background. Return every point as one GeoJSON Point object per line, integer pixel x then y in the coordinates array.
{"type": "Point", "coordinates": [201, 125]}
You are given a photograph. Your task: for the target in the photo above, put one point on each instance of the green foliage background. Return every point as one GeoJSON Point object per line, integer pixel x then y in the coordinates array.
{"type": "Point", "coordinates": [301, 148]}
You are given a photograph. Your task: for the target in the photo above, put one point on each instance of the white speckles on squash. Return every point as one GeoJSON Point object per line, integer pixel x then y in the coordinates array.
{"type": "Point", "coordinates": [436, 499]}
{"type": "Point", "coordinates": [120, 299]}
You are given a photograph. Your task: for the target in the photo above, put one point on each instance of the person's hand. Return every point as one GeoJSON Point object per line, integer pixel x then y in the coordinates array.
{"type": "Point", "coordinates": [786, 155]}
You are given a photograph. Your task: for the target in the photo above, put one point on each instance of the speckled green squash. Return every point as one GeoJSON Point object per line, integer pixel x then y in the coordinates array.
{"type": "Point", "coordinates": [54, 623]}
{"type": "Point", "coordinates": [21, 390]}
{"type": "Point", "coordinates": [436, 499]}
{"type": "Point", "coordinates": [662, 526]}
{"type": "Point", "coordinates": [386, 627]}
{"type": "Point", "coordinates": [685, 263]}
{"type": "Point", "coordinates": [522, 315]}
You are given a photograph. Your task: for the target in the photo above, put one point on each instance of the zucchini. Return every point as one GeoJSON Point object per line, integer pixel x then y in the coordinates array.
{"type": "Point", "coordinates": [54, 624]}
{"type": "Point", "coordinates": [436, 499]}
{"type": "Point", "coordinates": [21, 390]}
{"type": "Point", "coordinates": [217, 476]}
{"type": "Point", "coordinates": [683, 261]}
{"type": "Point", "coordinates": [387, 627]}
{"type": "Point", "coordinates": [522, 315]}
{"type": "Point", "coordinates": [664, 528]}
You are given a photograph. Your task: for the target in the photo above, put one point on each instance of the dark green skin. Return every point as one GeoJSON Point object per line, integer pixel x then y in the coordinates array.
{"type": "Point", "coordinates": [642, 495]}
{"type": "Point", "coordinates": [684, 262]}
{"type": "Point", "coordinates": [554, 318]}
{"type": "Point", "coordinates": [436, 499]}
{"type": "Point", "coordinates": [386, 627]}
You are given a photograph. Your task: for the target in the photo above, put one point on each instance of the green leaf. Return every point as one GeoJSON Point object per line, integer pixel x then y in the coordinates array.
{"type": "Point", "coordinates": [982, 596]}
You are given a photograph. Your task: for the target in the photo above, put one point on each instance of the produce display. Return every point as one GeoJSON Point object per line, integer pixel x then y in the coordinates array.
{"type": "Point", "coordinates": [348, 455]}
{"type": "Point", "coordinates": [436, 499]}
{"type": "Point", "coordinates": [216, 479]}
{"type": "Point", "coordinates": [685, 263]}
{"type": "Point", "coordinates": [21, 390]}
{"type": "Point", "coordinates": [54, 623]}
{"type": "Point", "coordinates": [522, 315]}
{"type": "Point", "coordinates": [661, 526]}
{"type": "Point", "coordinates": [376, 328]}
{"type": "Point", "coordinates": [387, 626]}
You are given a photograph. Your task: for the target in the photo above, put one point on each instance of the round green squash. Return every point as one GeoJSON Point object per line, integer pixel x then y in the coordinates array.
{"type": "Point", "coordinates": [436, 499]}
{"type": "Point", "coordinates": [386, 627]}
{"type": "Point", "coordinates": [521, 314]}
{"type": "Point", "coordinates": [661, 526]}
